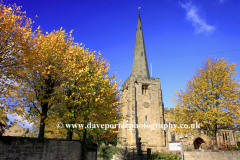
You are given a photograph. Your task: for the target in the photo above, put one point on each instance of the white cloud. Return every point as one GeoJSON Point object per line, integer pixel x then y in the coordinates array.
{"type": "Point", "coordinates": [193, 16]}
{"type": "Point", "coordinates": [19, 118]}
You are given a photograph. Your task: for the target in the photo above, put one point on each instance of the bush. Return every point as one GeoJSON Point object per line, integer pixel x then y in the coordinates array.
{"type": "Point", "coordinates": [238, 144]}
{"type": "Point", "coordinates": [229, 148]}
{"type": "Point", "coordinates": [203, 146]}
{"type": "Point", "coordinates": [107, 152]}
{"type": "Point", "coordinates": [164, 156]}
{"type": "Point", "coordinates": [234, 148]}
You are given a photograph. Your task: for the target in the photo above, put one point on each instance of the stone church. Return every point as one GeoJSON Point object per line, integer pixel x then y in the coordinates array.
{"type": "Point", "coordinates": [143, 106]}
{"type": "Point", "coordinates": [143, 103]}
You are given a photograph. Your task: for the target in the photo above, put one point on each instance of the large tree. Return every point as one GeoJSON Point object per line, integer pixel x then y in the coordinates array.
{"type": "Point", "coordinates": [86, 95]}
{"type": "Point", "coordinates": [38, 76]}
{"type": "Point", "coordinates": [54, 75]}
{"type": "Point", "coordinates": [90, 95]}
{"type": "Point", "coordinates": [15, 33]}
{"type": "Point", "coordinates": [211, 98]}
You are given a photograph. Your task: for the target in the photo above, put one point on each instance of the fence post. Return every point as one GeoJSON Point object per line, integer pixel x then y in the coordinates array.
{"type": "Point", "coordinates": [148, 153]}
{"type": "Point", "coordinates": [125, 153]}
{"type": "Point", "coordinates": [133, 154]}
{"type": "Point", "coordinates": [139, 151]}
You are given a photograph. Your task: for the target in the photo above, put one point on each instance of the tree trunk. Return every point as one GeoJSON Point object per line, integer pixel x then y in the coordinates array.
{"type": "Point", "coordinates": [42, 128]}
{"type": "Point", "coordinates": [45, 105]}
{"type": "Point", "coordinates": [84, 145]}
{"type": "Point", "coordinates": [42, 123]}
{"type": "Point", "coordinates": [70, 134]}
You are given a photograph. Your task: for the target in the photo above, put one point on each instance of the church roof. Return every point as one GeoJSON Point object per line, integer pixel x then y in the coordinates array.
{"type": "Point", "coordinates": [140, 65]}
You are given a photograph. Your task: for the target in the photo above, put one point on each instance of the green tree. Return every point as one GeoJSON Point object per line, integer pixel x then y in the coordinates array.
{"type": "Point", "coordinates": [211, 98]}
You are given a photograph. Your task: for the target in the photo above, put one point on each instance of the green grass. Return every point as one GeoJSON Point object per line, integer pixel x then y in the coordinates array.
{"type": "Point", "coordinates": [164, 156]}
{"type": "Point", "coordinates": [107, 152]}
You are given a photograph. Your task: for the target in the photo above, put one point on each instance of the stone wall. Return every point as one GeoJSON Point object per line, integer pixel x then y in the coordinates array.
{"type": "Point", "coordinates": [211, 154]}
{"type": "Point", "coordinates": [26, 148]}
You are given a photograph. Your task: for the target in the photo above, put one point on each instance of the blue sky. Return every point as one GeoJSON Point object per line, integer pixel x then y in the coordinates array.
{"type": "Point", "coordinates": [178, 35]}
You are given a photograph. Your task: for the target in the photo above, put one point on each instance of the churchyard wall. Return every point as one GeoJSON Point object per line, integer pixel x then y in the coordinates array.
{"type": "Point", "coordinates": [211, 154]}
{"type": "Point", "coordinates": [28, 148]}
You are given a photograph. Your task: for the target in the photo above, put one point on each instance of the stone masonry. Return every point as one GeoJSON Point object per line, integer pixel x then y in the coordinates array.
{"type": "Point", "coordinates": [28, 148]}
{"type": "Point", "coordinates": [211, 155]}
{"type": "Point", "coordinates": [142, 103]}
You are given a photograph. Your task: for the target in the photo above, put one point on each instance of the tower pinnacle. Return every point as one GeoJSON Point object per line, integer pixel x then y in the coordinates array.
{"type": "Point", "coordinates": [140, 65]}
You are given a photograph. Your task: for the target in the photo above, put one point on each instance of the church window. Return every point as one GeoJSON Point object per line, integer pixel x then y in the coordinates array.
{"type": "Point", "coordinates": [145, 90]}
{"type": "Point", "coordinates": [173, 137]}
{"type": "Point", "coordinates": [141, 53]}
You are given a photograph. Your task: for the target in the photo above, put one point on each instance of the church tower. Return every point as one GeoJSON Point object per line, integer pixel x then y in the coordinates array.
{"type": "Point", "coordinates": [142, 104]}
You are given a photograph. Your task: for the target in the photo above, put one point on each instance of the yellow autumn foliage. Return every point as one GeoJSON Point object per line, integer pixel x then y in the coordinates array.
{"type": "Point", "coordinates": [39, 69]}
{"type": "Point", "coordinates": [211, 98]}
